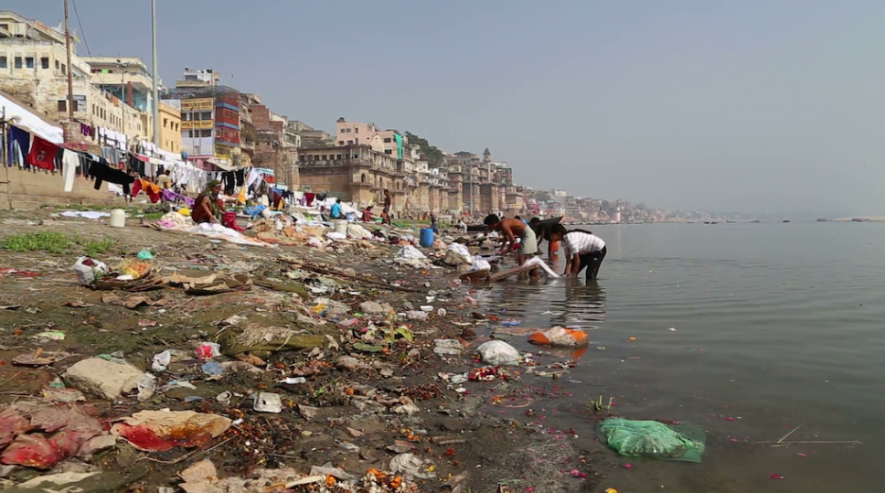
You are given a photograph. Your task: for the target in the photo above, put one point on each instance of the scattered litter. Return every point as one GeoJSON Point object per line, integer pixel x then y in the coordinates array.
{"type": "Point", "coordinates": [411, 466]}
{"type": "Point", "coordinates": [448, 347]}
{"type": "Point", "coordinates": [208, 350]}
{"type": "Point", "coordinates": [266, 402]}
{"type": "Point", "coordinates": [159, 431]}
{"type": "Point", "coordinates": [161, 361]}
{"type": "Point", "coordinates": [631, 438]}
{"type": "Point", "coordinates": [559, 337]}
{"type": "Point", "coordinates": [54, 335]}
{"type": "Point", "coordinates": [498, 353]}
{"type": "Point", "coordinates": [212, 368]}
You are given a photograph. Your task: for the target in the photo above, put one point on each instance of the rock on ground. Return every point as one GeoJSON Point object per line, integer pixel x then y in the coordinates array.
{"type": "Point", "coordinates": [102, 378]}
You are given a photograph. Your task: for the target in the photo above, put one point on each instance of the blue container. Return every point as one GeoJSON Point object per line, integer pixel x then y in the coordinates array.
{"type": "Point", "coordinates": [427, 237]}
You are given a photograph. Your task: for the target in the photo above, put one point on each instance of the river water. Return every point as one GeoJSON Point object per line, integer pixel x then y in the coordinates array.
{"type": "Point", "coordinates": [776, 326]}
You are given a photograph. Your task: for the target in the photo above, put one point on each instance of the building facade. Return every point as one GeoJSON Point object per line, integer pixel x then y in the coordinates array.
{"type": "Point", "coordinates": [353, 173]}
{"type": "Point", "coordinates": [210, 117]}
{"type": "Point", "coordinates": [170, 128]}
{"type": "Point", "coordinates": [33, 69]}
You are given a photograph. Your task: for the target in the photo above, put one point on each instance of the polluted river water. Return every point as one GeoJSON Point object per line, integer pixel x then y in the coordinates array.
{"type": "Point", "coordinates": [746, 330]}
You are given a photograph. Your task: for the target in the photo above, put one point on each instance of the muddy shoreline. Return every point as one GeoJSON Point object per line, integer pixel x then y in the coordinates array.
{"type": "Point", "coordinates": [356, 409]}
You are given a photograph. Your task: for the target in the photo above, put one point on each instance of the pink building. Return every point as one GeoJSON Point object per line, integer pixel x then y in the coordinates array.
{"type": "Point", "coordinates": [355, 133]}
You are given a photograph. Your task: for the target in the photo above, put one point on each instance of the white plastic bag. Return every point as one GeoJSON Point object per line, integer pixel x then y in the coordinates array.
{"type": "Point", "coordinates": [457, 254]}
{"type": "Point", "coordinates": [480, 265]}
{"type": "Point", "coordinates": [86, 268]}
{"type": "Point", "coordinates": [498, 353]}
{"type": "Point", "coordinates": [410, 252]}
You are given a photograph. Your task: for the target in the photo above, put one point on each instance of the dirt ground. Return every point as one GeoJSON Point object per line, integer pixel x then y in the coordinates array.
{"type": "Point", "coordinates": [344, 417]}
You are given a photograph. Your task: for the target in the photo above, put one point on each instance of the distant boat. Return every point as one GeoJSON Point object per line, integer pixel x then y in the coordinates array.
{"type": "Point", "coordinates": [786, 220]}
{"type": "Point", "coordinates": [755, 221]}
{"type": "Point", "coordinates": [729, 221]}
{"type": "Point", "coordinates": [823, 220]}
{"type": "Point", "coordinates": [859, 219]}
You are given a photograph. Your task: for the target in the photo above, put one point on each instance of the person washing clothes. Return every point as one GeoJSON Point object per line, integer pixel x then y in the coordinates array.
{"type": "Point", "coordinates": [582, 250]}
{"type": "Point", "coordinates": [208, 208]}
{"type": "Point", "coordinates": [336, 209]}
{"type": "Point", "coordinates": [510, 229]}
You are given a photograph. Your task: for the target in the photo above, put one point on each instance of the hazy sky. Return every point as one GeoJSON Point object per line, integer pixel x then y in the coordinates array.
{"type": "Point", "coordinates": [744, 105]}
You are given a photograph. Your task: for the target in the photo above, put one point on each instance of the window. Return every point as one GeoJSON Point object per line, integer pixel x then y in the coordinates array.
{"type": "Point", "coordinates": [62, 106]}
{"type": "Point", "coordinates": [349, 142]}
{"type": "Point", "coordinates": [165, 122]}
{"type": "Point", "coordinates": [64, 69]}
{"type": "Point", "coordinates": [57, 66]}
{"type": "Point", "coordinates": [4, 27]}
{"type": "Point", "coordinates": [29, 62]}
{"type": "Point", "coordinates": [206, 133]}
{"type": "Point", "coordinates": [387, 141]}
{"type": "Point", "coordinates": [340, 142]}
{"type": "Point", "coordinates": [388, 151]}
{"type": "Point", "coordinates": [44, 63]}
{"type": "Point", "coordinates": [3, 62]}
{"type": "Point", "coordinates": [356, 130]}
{"type": "Point", "coordinates": [18, 62]}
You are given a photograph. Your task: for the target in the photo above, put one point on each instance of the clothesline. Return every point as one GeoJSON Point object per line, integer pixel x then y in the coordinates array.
{"type": "Point", "coordinates": [30, 151]}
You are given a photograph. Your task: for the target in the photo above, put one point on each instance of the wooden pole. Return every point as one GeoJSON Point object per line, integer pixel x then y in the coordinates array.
{"type": "Point", "coordinates": [4, 155]}
{"type": "Point", "coordinates": [70, 68]}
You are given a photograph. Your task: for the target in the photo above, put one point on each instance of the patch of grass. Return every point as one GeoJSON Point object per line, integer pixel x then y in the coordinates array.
{"type": "Point", "coordinates": [57, 243]}
{"type": "Point", "coordinates": [94, 248]}
{"type": "Point", "coordinates": [33, 242]}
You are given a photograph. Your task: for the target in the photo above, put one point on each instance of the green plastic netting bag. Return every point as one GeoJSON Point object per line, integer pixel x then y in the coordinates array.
{"type": "Point", "coordinates": [633, 438]}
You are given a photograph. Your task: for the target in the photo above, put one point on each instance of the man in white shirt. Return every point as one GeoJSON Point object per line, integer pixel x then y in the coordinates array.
{"type": "Point", "coordinates": [582, 250]}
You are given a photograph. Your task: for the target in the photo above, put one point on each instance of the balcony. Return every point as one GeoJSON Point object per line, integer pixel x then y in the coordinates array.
{"type": "Point", "coordinates": [140, 82]}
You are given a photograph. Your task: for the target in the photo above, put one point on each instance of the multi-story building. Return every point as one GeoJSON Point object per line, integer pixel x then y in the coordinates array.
{"type": "Point", "coordinates": [354, 173]}
{"type": "Point", "coordinates": [198, 78]}
{"type": "Point", "coordinates": [170, 128]}
{"type": "Point", "coordinates": [34, 70]}
{"type": "Point", "coordinates": [126, 78]}
{"type": "Point", "coordinates": [393, 142]}
{"type": "Point", "coordinates": [210, 117]}
{"type": "Point", "coordinates": [311, 137]}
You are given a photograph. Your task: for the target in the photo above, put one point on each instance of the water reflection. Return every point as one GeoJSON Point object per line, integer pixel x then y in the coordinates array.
{"type": "Point", "coordinates": [582, 305]}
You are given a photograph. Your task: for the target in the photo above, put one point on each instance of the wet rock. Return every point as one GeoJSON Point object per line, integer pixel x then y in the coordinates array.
{"type": "Point", "coordinates": [308, 412]}
{"type": "Point", "coordinates": [468, 334]}
{"type": "Point", "coordinates": [201, 471]}
{"type": "Point", "coordinates": [102, 378]}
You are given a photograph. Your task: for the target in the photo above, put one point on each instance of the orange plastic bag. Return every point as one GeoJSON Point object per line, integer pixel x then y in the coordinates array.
{"type": "Point", "coordinates": [559, 337]}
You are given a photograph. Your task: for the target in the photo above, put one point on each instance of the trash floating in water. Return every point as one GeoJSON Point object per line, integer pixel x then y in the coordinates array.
{"type": "Point", "coordinates": [633, 438]}
{"type": "Point", "coordinates": [776, 476]}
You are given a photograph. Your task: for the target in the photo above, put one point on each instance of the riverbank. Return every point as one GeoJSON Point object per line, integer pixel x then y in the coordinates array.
{"type": "Point", "coordinates": [357, 386]}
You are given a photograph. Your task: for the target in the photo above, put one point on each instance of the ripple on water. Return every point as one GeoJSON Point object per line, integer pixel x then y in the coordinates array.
{"type": "Point", "coordinates": [775, 325]}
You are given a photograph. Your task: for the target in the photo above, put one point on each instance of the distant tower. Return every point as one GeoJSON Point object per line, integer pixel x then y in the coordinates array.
{"type": "Point", "coordinates": [487, 155]}
{"type": "Point", "coordinates": [617, 216]}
